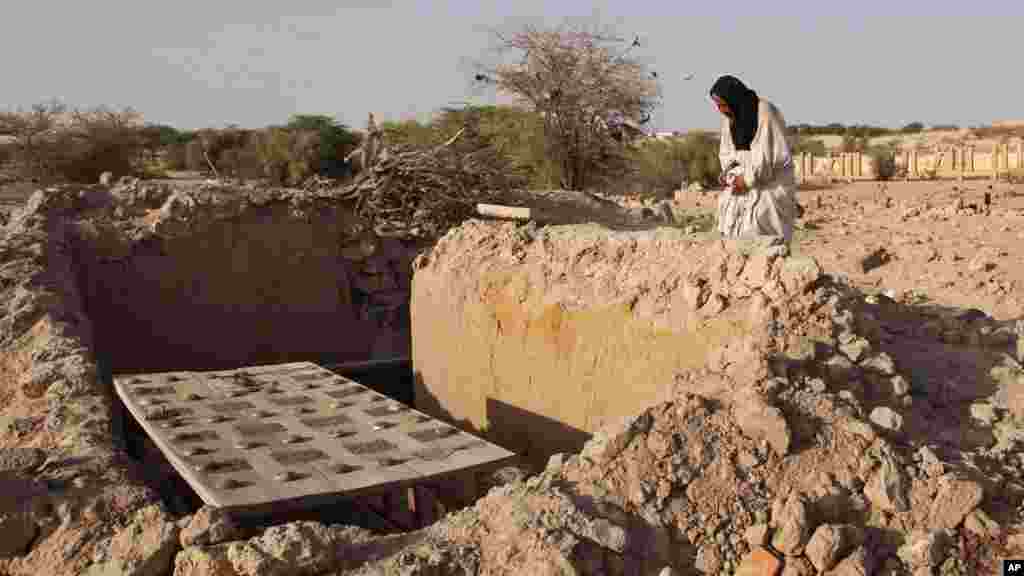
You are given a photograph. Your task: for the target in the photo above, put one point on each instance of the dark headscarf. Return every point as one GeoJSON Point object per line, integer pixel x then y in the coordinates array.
{"type": "Point", "coordinates": [743, 103]}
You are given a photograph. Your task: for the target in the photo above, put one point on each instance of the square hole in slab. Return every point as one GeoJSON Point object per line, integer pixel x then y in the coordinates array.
{"type": "Point", "coordinates": [290, 400]}
{"type": "Point", "coordinates": [167, 413]}
{"type": "Point", "coordinates": [346, 392]}
{"type": "Point", "coordinates": [379, 411]}
{"type": "Point", "coordinates": [431, 434]}
{"type": "Point", "coordinates": [192, 437]}
{"type": "Point", "coordinates": [235, 406]}
{"type": "Point", "coordinates": [153, 390]}
{"type": "Point", "coordinates": [293, 457]}
{"type": "Point", "coordinates": [224, 466]}
{"type": "Point", "coordinates": [344, 468]}
{"type": "Point", "coordinates": [259, 429]}
{"type": "Point", "coordinates": [308, 377]}
{"type": "Point", "coordinates": [326, 421]}
{"type": "Point", "coordinates": [371, 447]}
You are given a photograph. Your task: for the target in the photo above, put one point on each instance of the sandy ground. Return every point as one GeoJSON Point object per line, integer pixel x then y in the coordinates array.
{"type": "Point", "coordinates": [933, 250]}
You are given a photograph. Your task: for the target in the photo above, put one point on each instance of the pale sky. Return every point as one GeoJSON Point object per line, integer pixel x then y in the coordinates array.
{"type": "Point", "coordinates": [195, 64]}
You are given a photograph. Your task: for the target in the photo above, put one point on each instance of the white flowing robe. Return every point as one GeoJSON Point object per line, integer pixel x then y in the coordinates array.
{"type": "Point", "coordinates": [768, 205]}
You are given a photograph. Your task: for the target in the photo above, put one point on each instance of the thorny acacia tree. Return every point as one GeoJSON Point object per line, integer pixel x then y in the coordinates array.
{"type": "Point", "coordinates": [52, 141]}
{"type": "Point", "coordinates": [586, 87]}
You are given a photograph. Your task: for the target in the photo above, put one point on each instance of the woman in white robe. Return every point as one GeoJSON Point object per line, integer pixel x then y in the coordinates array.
{"type": "Point", "coordinates": [757, 167]}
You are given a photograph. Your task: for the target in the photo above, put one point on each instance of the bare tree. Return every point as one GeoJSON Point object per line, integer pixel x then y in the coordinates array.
{"type": "Point", "coordinates": [586, 86]}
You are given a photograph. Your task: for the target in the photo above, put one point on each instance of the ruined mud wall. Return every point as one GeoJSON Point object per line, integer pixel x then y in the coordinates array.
{"type": "Point", "coordinates": [541, 337]}
{"type": "Point", "coordinates": [216, 278]}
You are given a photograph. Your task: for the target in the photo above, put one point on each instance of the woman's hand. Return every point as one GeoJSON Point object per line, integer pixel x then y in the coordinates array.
{"type": "Point", "coordinates": [739, 186]}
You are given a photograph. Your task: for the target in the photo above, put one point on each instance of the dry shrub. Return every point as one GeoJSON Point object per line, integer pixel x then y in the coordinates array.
{"type": "Point", "coordinates": [55, 143]}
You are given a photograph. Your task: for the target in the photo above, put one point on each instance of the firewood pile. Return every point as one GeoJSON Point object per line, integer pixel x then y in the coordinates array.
{"type": "Point", "coordinates": [411, 192]}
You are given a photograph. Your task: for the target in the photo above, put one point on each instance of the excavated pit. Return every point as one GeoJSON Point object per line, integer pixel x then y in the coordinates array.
{"type": "Point", "coordinates": [739, 411]}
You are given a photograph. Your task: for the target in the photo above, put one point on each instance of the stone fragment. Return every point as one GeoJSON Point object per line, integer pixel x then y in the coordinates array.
{"type": "Point", "coordinates": [145, 547]}
{"type": "Point", "coordinates": [210, 526]}
{"type": "Point", "coordinates": [709, 559]}
{"type": "Point", "coordinates": [757, 535]}
{"type": "Point", "coordinates": [887, 487]}
{"type": "Point", "coordinates": [984, 413]}
{"type": "Point", "coordinates": [797, 566]}
{"type": "Point", "coordinates": [924, 549]}
{"type": "Point", "coordinates": [885, 417]}
{"type": "Point", "coordinates": [979, 523]}
{"type": "Point", "coordinates": [956, 498]}
{"type": "Point", "coordinates": [853, 565]}
{"type": "Point", "coordinates": [829, 543]}
{"type": "Point", "coordinates": [900, 386]}
{"type": "Point", "coordinates": [881, 363]}
{"type": "Point", "coordinates": [761, 421]}
{"type": "Point", "coordinates": [856, 349]}
{"type": "Point", "coordinates": [759, 562]}
{"type": "Point", "coordinates": [839, 369]}
{"type": "Point", "coordinates": [607, 443]}
{"type": "Point", "coordinates": [792, 526]}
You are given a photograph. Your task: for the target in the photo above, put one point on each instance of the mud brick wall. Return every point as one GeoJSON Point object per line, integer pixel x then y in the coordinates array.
{"type": "Point", "coordinates": [240, 283]}
{"type": "Point", "coordinates": [542, 337]}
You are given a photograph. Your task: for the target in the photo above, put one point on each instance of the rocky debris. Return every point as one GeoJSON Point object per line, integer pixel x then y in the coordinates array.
{"type": "Point", "coordinates": [887, 418]}
{"type": "Point", "coordinates": [829, 543]}
{"type": "Point", "coordinates": [298, 548]}
{"type": "Point", "coordinates": [761, 421]}
{"type": "Point", "coordinates": [146, 546]}
{"type": "Point", "coordinates": [887, 487]}
{"type": "Point", "coordinates": [856, 564]}
{"type": "Point", "coordinates": [760, 562]}
{"type": "Point", "coordinates": [210, 526]}
{"type": "Point", "coordinates": [791, 524]}
{"type": "Point", "coordinates": [924, 549]}
{"type": "Point", "coordinates": [956, 498]}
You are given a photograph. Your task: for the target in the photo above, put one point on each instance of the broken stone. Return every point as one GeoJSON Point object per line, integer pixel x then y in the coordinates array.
{"type": "Point", "coordinates": [930, 462]}
{"type": "Point", "coordinates": [924, 549]}
{"type": "Point", "coordinates": [21, 460]}
{"type": "Point", "coordinates": [798, 567]}
{"type": "Point", "coordinates": [839, 369]}
{"type": "Point", "coordinates": [756, 535]}
{"type": "Point", "coordinates": [880, 362]}
{"type": "Point", "coordinates": [984, 413]}
{"type": "Point", "coordinates": [900, 386]}
{"type": "Point", "coordinates": [760, 562]}
{"type": "Point", "coordinates": [145, 547]}
{"type": "Point", "coordinates": [887, 487]}
{"type": "Point", "coordinates": [761, 421]}
{"type": "Point", "coordinates": [887, 418]}
{"type": "Point", "coordinates": [709, 559]}
{"type": "Point", "coordinates": [856, 349]}
{"type": "Point", "coordinates": [828, 544]}
{"type": "Point", "coordinates": [210, 526]}
{"type": "Point", "coordinates": [956, 498]}
{"type": "Point", "coordinates": [792, 526]}
{"type": "Point", "coordinates": [979, 523]}
{"type": "Point", "coordinates": [853, 565]}
{"type": "Point", "coordinates": [606, 444]}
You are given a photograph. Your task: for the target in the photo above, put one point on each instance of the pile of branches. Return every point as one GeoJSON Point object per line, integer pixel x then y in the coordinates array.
{"type": "Point", "coordinates": [414, 192]}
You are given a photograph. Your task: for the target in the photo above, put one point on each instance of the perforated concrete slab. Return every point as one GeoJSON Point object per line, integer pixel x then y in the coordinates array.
{"type": "Point", "coordinates": [255, 436]}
